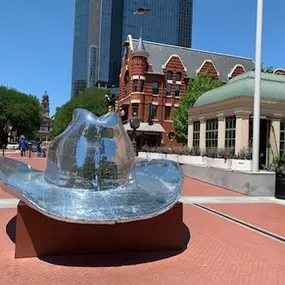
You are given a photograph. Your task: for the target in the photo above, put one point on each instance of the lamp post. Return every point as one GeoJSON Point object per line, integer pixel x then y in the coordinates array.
{"type": "Point", "coordinates": [256, 111]}
{"type": "Point", "coordinates": [135, 124]}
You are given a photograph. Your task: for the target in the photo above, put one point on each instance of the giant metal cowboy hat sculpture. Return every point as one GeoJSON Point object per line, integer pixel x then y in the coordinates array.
{"type": "Point", "coordinates": [92, 176]}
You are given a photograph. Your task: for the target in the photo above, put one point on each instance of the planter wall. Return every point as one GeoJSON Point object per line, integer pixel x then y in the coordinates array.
{"type": "Point", "coordinates": [229, 164]}
{"type": "Point", "coordinates": [242, 164]}
{"type": "Point", "coordinates": [173, 157]}
{"type": "Point", "coordinates": [218, 162]}
{"type": "Point", "coordinates": [189, 159]}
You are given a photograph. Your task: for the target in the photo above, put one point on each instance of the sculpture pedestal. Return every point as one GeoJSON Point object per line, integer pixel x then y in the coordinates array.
{"type": "Point", "coordinates": [39, 235]}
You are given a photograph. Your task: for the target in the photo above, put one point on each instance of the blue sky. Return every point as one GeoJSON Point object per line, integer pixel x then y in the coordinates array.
{"type": "Point", "coordinates": [37, 35]}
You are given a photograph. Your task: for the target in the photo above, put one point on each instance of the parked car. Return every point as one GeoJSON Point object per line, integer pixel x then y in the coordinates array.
{"type": "Point", "coordinates": [12, 145]}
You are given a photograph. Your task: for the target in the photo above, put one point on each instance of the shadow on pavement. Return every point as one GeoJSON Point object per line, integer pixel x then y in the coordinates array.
{"type": "Point", "coordinates": [108, 259]}
{"type": "Point", "coordinates": [11, 229]}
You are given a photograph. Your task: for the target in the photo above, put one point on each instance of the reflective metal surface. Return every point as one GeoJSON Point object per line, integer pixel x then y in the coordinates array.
{"type": "Point", "coordinates": [92, 176]}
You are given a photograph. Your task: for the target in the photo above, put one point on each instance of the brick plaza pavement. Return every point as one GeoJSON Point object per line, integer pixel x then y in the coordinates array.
{"type": "Point", "coordinates": [219, 251]}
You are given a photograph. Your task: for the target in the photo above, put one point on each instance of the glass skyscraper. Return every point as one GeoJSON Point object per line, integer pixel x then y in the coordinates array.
{"type": "Point", "coordinates": [101, 26]}
{"type": "Point", "coordinates": [168, 22]}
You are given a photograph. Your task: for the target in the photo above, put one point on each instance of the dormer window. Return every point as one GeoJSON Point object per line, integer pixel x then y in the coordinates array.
{"type": "Point", "coordinates": [168, 89]}
{"type": "Point", "coordinates": [155, 87]}
{"type": "Point", "coordinates": [178, 76]}
{"type": "Point", "coordinates": [169, 75]}
{"type": "Point", "coordinates": [177, 90]}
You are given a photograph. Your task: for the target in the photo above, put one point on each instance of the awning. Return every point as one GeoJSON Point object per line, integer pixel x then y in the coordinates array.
{"type": "Point", "coordinates": [145, 127]}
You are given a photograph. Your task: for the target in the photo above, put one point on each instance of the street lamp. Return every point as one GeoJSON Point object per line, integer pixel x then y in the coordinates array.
{"type": "Point", "coordinates": [135, 124]}
{"type": "Point", "coordinates": [256, 110]}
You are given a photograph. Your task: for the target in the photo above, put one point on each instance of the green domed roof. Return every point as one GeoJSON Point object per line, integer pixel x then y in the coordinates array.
{"type": "Point", "coordinates": [272, 87]}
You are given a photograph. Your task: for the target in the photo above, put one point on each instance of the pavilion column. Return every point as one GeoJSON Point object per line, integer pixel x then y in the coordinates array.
{"type": "Point", "coordinates": [221, 131]}
{"type": "Point", "coordinates": [274, 139]}
{"type": "Point", "coordinates": [242, 132]}
{"type": "Point", "coordinates": [202, 141]}
{"type": "Point", "coordinates": [190, 134]}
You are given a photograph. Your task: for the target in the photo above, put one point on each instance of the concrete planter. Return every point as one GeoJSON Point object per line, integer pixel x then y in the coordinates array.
{"type": "Point", "coordinates": [173, 157]}
{"type": "Point", "coordinates": [152, 155]}
{"type": "Point", "coordinates": [188, 159]}
{"type": "Point", "coordinates": [143, 154]}
{"type": "Point", "coordinates": [242, 164]}
{"type": "Point", "coordinates": [229, 164]}
{"type": "Point", "coordinates": [218, 163]}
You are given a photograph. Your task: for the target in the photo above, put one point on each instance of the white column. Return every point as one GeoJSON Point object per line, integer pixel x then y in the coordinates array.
{"type": "Point", "coordinates": [221, 132]}
{"type": "Point", "coordinates": [274, 139]}
{"type": "Point", "coordinates": [190, 134]}
{"type": "Point", "coordinates": [256, 110]}
{"type": "Point", "coordinates": [242, 133]}
{"type": "Point", "coordinates": [202, 141]}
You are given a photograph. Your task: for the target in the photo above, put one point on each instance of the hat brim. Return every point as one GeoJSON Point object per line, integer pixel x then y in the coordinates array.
{"type": "Point", "coordinates": [156, 188]}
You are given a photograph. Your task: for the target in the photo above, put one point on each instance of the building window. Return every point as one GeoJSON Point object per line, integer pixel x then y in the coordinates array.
{"type": "Point", "coordinates": [169, 75]}
{"type": "Point", "coordinates": [167, 113]}
{"type": "Point", "coordinates": [155, 87]}
{"type": "Point", "coordinates": [153, 111]}
{"type": "Point", "coordinates": [230, 135]}
{"type": "Point", "coordinates": [212, 133]}
{"type": "Point", "coordinates": [177, 90]}
{"type": "Point", "coordinates": [142, 86]}
{"type": "Point", "coordinates": [168, 89]}
{"type": "Point", "coordinates": [282, 138]}
{"type": "Point", "coordinates": [196, 134]}
{"type": "Point", "coordinates": [135, 108]}
{"type": "Point", "coordinates": [135, 87]}
{"type": "Point", "coordinates": [178, 76]}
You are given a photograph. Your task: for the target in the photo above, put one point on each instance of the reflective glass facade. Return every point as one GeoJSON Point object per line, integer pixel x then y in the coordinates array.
{"type": "Point", "coordinates": [168, 22]}
{"type": "Point", "coordinates": [80, 46]}
{"type": "Point", "coordinates": [101, 26]}
{"type": "Point", "coordinates": [92, 62]}
{"type": "Point", "coordinates": [97, 43]}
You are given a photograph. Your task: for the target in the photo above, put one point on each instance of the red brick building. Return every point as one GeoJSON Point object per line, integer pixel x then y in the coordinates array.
{"type": "Point", "coordinates": [154, 78]}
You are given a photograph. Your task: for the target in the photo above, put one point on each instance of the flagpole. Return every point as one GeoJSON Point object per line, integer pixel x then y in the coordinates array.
{"type": "Point", "coordinates": [256, 110]}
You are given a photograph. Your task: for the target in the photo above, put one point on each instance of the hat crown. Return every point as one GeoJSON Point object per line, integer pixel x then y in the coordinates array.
{"type": "Point", "coordinates": [91, 153]}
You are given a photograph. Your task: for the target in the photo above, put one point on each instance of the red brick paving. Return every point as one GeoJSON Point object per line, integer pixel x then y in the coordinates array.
{"type": "Point", "coordinates": [219, 252]}
{"type": "Point", "coordinates": [270, 217]}
{"type": "Point", "coordinates": [194, 187]}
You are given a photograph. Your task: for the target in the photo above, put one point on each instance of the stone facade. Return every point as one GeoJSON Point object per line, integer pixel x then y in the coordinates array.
{"type": "Point", "coordinates": [153, 91]}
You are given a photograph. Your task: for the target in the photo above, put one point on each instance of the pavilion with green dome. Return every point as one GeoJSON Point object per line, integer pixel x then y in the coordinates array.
{"type": "Point", "coordinates": [222, 117]}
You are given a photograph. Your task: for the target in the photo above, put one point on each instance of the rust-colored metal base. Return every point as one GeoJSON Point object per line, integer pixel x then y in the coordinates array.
{"type": "Point", "coordinates": [39, 235]}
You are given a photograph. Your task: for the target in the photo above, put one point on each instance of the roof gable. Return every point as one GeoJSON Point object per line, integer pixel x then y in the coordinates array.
{"type": "Point", "coordinates": [192, 59]}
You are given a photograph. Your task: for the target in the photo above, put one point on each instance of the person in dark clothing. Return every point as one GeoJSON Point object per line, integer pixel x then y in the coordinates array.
{"type": "Point", "coordinates": [23, 146]}
{"type": "Point", "coordinates": [39, 150]}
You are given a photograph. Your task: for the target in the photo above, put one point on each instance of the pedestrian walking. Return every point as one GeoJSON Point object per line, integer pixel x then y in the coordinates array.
{"type": "Point", "coordinates": [23, 146]}
{"type": "Point", "coordinates": [43, 149]}
{"type": "Point", "coordinates": [39, 149]}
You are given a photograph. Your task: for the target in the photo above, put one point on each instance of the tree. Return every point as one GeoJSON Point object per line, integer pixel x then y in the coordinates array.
{"type": "Point", "coordinates": [19, 113]}
{"type": "Point", "coordinates": [92, 99]}
{"type": "Point", "coordinates": [268, 69]}
{"type": "Point", "coordinates": [201, 84]}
